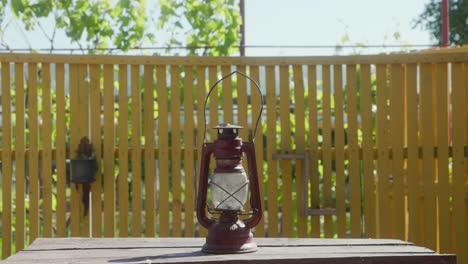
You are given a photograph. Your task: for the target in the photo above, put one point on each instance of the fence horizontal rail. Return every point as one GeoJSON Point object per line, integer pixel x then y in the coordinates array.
{"type": "Point", "coordinates": [319, 152]}
{"type": "Point", "coordinates": [436, 56]}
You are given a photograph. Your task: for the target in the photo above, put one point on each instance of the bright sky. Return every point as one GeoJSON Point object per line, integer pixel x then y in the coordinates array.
{"type": "Point", "coordinates": [302, 22]}
{"type": "Point", "coordinates": [325, 22]}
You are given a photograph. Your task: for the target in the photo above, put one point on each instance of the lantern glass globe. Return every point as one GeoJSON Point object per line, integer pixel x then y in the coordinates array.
{"type": "Point", "coordinates": [229, 191]}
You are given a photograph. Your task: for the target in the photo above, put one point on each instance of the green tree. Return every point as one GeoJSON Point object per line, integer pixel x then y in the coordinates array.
{"type": "Point", "coordinates": [430, 19]}
{"type": "Point", "coordinates": [213, 24]}
{"type": "Point", "coordinates": [126, 24]}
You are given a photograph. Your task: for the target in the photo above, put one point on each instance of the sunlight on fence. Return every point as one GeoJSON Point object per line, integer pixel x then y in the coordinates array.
{"type": "Point", "coordinates": [384, 138]}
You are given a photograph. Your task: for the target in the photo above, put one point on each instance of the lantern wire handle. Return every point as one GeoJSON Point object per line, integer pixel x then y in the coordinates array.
{"type": "Point", "coordinates": [216, 84]}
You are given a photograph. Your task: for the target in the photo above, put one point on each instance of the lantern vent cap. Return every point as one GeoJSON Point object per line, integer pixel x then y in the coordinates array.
{"type": "Point", "coordinates": [227, 126]}
{"type": "Point", "coordinates": [227, 131]}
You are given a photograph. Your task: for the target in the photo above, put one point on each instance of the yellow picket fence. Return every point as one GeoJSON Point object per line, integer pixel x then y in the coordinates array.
{"type": "Point", "coordinates": [379, 140]}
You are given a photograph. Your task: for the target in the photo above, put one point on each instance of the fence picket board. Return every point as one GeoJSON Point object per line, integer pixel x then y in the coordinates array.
{"type": "Point", "coordinates": [189, 153]}
{"type": "Point", "coordinates": [136, 151]}
{"type": "Point", "coordinates": [256, 98]}
{"type": "Point", "coordinates": [339, 151]}
{"type": "Point", "coordinates": [33, 153]}
{"type": "Point", "coordinates": [213, 104]}
{"type": "Point", "coordinates": [227, 95]}
{"type": "Point", "coordinates": [95, 119]}
{"type": "Point", "coordinates": [83, 127]}
{"type": "Point", "coordinates": [413, 156]}
{"type": "Point", "coordinates": [367, 156]}
{"type": "Point", "coordinates": [176, 153]}
{"type": "Point", "coordinates": [6, 161]}
{"type": "Point", "coordinates": [459, 161]}
{"type": "Point", "coordinates": [242, 103]}
{"type": "Point", "coordinates": [201, 93]}
{"type": "Point", "coordinates": [108, 154]}
{"type": "Point", "coordinates": [354, 173]}
{"type": "Point", "coordinates": [442, 158]}
{"type": "Point", "coordinates": [465, 85]}
{"type": "Point", "coordinates": [61, 153]}
{"type": "Point", "coordinates": [272, 172]}
{"type": "Point", "coordinates": [163, 144]}
{"type": "Point", "coordinates": [384, 224]}
{"type": "Point", "coordinates": [326, 145]}
{"type": "Point", "coordinates": [313, 146]}
{"type": "Point", "coordinates": [74, 141]}
{"type": "Point", "coordinates": [427, 132]}
{"type": "Point", "coordinates": [150, 180]}
{"type": "Point", "coordinates": [123, 150]}
{"type": "Point", "coordinates": [397, 122]}
{"type": "Point", "coordinates": [286, 165]}
{"type": "Point", "coordinates": [47, 151]}
{"type": "Point", "coordinates": [20, 174]}
{"type": "Point", "coordinates": [299, 109]}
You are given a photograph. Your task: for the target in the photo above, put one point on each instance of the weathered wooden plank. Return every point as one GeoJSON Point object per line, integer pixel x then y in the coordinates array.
{"type": "Point", "coordinates": [442, 159]}
{"type": "Point", "coordinates": [96, 139]}
{"type": "Point", "coordinates": [163, 142]}
{"type": "Point", "coordinates": [272, 171]}
{"type": "Point", "coordinates": [176, 153]}
{"type": "Point", "coordinates": [427, 132]}
{"type": "Point", "coordinates": [47, 151]}
{"type": "Point", "coordinates": [327, 144]}
{"type": "Point", "coordinates": [189, 153]}
{"type": "Point", "coordinates": [299, 106]}
{"type": "Point", "coordinates": [136, 153]}
{"type": "Point", "coordinates": [397, 123]}
{"type": "Point", "coordinates": [109, 187]}
{"type": "Point", "coordinates": [134, 250]}
{"type": "Point", "coordinates": [269, 254]}
{"type": "Point", "coordinates": [315, 259]}
{"type": "Point", "coordinates": [384, 224]}
{"type": "Point", "coordinates": [367, 157]}
{"type": "Point", "coordinates": [20, 176]}
{"type": "Point", "coordinates": [459, 162]}
{"type": "Point", "coordinates": [339, 154]}
{"type": "Point", "coordinates": [6, 161]}
{"type": "Point", "coordinates": [123, 150]}
{"type": "Point", "coordinates": [42, 244]}
{"type": "Point", "coordinates": [286, 164]}
{"type": "Point", "coordinates": [313, 145]}
{"type": "Point", "coordinates": [61, 152]}
{"type": "Point", "coordinates": [150, 180]}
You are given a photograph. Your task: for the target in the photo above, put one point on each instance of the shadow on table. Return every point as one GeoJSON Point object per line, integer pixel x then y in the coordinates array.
{"type": "Point", "coordinates": [163, 256]}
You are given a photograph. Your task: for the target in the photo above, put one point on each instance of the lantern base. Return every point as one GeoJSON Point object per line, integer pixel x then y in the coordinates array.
{"type": "Point", "coordinates": [229, 236]}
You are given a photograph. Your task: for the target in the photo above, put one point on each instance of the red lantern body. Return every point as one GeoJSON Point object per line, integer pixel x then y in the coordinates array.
{"type": "Point", "coordinates": [228, 233]}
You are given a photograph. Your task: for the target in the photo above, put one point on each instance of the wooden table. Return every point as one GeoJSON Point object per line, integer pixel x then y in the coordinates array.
{"type": "Point", "coordinates": [187, 250]}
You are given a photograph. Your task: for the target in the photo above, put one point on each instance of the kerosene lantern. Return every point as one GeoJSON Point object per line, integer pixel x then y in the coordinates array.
{"type": "Point", "coordinates": [230, 186]}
